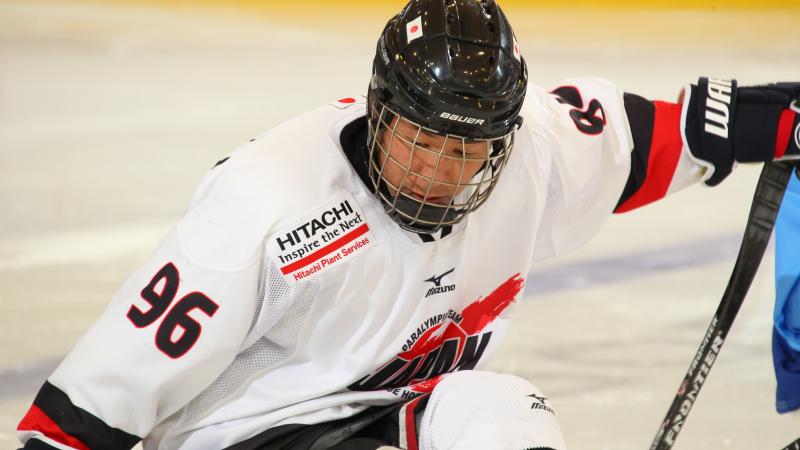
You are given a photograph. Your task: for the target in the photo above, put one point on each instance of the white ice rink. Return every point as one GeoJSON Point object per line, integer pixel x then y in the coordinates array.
{"type": "Point", "coordinates": [110, 114]}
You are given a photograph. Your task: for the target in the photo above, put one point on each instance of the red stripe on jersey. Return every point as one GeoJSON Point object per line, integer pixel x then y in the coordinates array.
{"type": "Point", "coordinates": [665, 152]}
{"type": "Point", "coordinates": [37, 420]}
{"type": "Point", "coordinates": [328, 249]}
{"type": "Point", "coordinates": [411, 424]}
{"type": "Point", "coordinates": [784, 132]}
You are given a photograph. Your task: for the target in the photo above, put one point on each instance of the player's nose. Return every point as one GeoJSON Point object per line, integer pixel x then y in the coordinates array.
{"type": "Point", "coordinates": [424, 165]}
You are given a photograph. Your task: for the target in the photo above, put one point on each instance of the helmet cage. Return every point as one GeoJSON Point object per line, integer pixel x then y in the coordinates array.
{"type": "Point", "coordinates": [421, 212]}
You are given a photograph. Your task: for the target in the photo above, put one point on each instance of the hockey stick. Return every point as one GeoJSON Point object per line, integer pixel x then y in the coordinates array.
{"type": "Point", "coordinates": [766, 201]}
{"type": "Point", "coordinates": [793, 446]}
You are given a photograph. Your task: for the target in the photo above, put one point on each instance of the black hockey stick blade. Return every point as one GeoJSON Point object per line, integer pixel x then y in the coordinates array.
{"type": "Point", "coordinates": [793, 446]}
{"type": "Point", "coordinates": [766, 201]}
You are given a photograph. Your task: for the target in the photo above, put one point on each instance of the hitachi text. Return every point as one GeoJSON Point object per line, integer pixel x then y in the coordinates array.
{"type": "Point", "coordinates": [312, 227]}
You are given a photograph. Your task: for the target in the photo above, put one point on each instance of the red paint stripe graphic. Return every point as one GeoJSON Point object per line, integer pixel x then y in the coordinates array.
{"type": "Point", "coordinates": [784, 133]}
{"type": "Point", "coordinates": [475, 317]}
{"type": "Point", "coordinates": [37, 420]}
{"type": "Point", "coordinates": [665, 152]}
{"type": "Point", "coordinates": [328, 249]}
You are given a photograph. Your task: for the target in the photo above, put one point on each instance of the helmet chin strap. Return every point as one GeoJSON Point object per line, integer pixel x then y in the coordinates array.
{"type": "Point", "coordinates": [420, 217]}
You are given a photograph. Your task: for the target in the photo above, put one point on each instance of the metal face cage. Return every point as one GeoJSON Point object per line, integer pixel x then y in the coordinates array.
{"type": "Point", "coordinates": [426, 179]}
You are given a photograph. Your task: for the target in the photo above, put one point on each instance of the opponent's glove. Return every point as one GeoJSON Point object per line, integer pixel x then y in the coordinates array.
{"type": "Point", "coordinates": [724, 124]}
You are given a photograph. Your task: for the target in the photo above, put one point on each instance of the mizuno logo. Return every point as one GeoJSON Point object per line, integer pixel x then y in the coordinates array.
{"type": "Point", "coordinates": [718, 104]}
{"type": "Point", "coordinates": [539, 403]}
{"type": "Point", "coordinates": [541, 399]}
{"type": "Point", "coordinates": [437, 284]}
{"type": "Point", "coordinates": [437, 281]}
{"type": "Point", "coordinates": [797, 136]}
{"type": "Point", "coordinates": [463, 119]}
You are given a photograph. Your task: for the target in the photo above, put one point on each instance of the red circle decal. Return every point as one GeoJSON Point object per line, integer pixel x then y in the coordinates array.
{"type": "Point", "coordinates": [347, 100]}
{"type": "Point", "coordinates": [415, 28]}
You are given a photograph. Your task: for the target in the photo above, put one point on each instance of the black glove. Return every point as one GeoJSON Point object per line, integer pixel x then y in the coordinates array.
{"type": "Point", "coordinates": [725, 123]}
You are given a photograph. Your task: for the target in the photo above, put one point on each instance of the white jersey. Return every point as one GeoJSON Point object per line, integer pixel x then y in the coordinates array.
{"type": "Point", "coordinates": [287, 296]}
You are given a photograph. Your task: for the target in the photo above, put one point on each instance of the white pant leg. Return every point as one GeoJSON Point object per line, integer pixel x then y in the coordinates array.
{"type": "Point", "coordinates": [483, 410]}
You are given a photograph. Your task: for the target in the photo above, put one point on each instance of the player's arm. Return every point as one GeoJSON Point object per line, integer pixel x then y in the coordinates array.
{"type": "Point", "coordinates": [173, 327]}
{"type": "Point", "coordinates": [613, 151]}
{"type": "Point", "coordinates": [581, 139]}
{"type": "Point", "coordinates": [717, 125]}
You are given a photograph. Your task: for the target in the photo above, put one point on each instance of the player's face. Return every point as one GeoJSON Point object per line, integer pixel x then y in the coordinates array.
{"type": "Point", "coordinates": [429, 167]}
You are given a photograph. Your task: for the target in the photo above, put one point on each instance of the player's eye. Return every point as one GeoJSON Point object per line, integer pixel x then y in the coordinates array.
{"type": "Point", "coordinates": [409, 142]}
{"type": "Point", "coordinates": [470, 152]}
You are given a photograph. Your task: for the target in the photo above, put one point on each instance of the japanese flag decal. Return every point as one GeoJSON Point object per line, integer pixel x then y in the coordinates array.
{"type": "Point", "coordinates": [414, 29]}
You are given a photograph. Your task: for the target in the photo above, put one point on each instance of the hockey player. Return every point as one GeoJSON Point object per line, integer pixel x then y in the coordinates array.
{"type": "Point", "coordinates": [338, 281]}
{"type": "Point", "coordinates": [786, 331]}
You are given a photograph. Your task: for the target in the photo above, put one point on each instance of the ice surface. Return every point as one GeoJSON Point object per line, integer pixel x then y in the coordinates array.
{"type": "Point", "coordinates": [109, 115]}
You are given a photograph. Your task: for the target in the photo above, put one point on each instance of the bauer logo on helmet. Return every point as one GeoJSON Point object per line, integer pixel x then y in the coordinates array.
{"type": "Point", "coordinates": [463, 119]}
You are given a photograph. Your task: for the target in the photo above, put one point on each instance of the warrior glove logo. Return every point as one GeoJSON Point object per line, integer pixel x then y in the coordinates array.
{"type": "Point", "coordinates": [795, 106]}
{"type": "Point", "coordinates": [797, 135]}
{"type": "Point", "coordinates": [718, 104]}
{"type": "Point", "coordinates": [437, 284]}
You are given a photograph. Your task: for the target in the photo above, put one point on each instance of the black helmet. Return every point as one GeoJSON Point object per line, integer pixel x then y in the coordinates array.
{"type": "Point", "coordinates": [451, 68]}
{"type": "Point", "coordinates": [459, 71]}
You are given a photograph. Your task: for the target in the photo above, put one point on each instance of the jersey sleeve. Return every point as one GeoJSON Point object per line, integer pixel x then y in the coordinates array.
{"type": "Point", "coordinates": [661, 162]}
{"type": "Point", "coordinates": [609, 151]}
{"type": "Point", "coordinates": [172, 328]}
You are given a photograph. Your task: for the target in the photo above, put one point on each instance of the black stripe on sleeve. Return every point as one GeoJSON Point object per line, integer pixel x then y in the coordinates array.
{"type": "Point", "coordinates": [36, 444]}
{"type": "Point", "coordinates": [79, 423]}
{"type": "Point", "coordinates": [641, 116]}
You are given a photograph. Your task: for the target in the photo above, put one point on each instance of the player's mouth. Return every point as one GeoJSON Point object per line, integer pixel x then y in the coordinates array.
{"type": "Point", "coordinates": [435, 199]}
